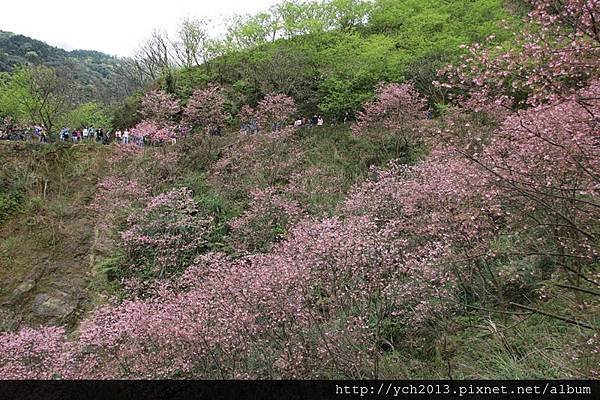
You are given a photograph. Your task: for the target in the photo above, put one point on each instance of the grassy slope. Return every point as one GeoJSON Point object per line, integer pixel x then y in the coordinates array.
{"type": "Point", "coordinates": [51, 242]}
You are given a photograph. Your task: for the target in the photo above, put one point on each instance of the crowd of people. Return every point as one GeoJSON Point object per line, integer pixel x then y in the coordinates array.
{"type": "Point", "coordinates": [315, 120]}
{"type": "Point", "coordinates": [90, 133]}
{"type": "Point", "coordinates": [9, 131]}
{"type": "Point", "coordinates": [39, 133]}
{"type": "Point", "coordinates": [251, 126]}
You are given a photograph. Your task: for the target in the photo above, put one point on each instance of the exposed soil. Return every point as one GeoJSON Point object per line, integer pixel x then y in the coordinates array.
{"type": "Point", "coordinates": [45, 249]}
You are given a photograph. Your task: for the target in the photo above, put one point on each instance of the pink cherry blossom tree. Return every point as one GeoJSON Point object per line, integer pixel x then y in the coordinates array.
{"type": "Point", "coordinates": [545, 163]}
{"type": "Point", "coordinates": [392, 118]}
{"type": "Point", "coordinates": [41, 353]}
{"type": "Point", "coordinates": [266, 219]}
{"type": "Point", "coordinates": [163, 239]}
{"type": "Point", "coordinates": [556, 55]}
{"type": "Point", "coordinates": [160, 107]}
{"type": "Point", "coordinates": [274, 111]}
{"type": "Point", "coordinates": [205, 109]}
{"type": "Point", "coordinates": [395, 107]}
{"type": "Point", "coordinates": [153, 132]}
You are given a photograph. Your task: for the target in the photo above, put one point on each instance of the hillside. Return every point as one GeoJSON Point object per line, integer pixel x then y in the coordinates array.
{"type": "Point", "coordinates": [62, 255]}
{"type": "Point", "coordinates": [331, 60]}
{"type": "Point", "coordinates": [97, 75]}
{"type": "Point", "coordinates": [441, 222]}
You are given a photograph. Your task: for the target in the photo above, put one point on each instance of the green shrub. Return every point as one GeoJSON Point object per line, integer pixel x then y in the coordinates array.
{"type": "Point", "coordinates": [10, 203]}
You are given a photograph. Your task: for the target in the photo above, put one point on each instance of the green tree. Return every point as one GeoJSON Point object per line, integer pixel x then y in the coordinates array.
{"type": "Point", "coordinates": [246, 31]}
{"type": "Point", "coordinates": [347, 14]}
{"type": "Point", "coordinates": [125, 114]}
{"type": "Point", "coordinates": [39, 95]}
{"type": "Point", "coordinates": [89, 114]}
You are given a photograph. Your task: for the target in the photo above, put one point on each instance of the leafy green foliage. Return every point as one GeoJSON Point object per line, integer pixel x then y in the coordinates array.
{"type": "Point", "coordinates": [89, 114]}
{"type": "Point", "coordinates": [96, 75]}
{"type": "Point", "coordinates": [125, 114]}
{"type": "Point", "coordinates": [9, 203]}
{"type": "Point", "coordinates": [330, 55]}
{"type": "Point", "coordinates": [38, 95]}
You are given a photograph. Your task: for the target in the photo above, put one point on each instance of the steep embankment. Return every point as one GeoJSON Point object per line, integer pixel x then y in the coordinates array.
{"type": "Point", "coordinates": [51, 248]}
{"type": "Point", "coordinates": [283, 214]}
{"type": "Point", "coordinates": [46, 237]}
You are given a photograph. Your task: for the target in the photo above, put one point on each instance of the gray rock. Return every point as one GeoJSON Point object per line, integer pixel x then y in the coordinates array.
{"type": "Point", "coordinates": [51, 306]}
{"type": "Point", "coordinates": [24, 288]}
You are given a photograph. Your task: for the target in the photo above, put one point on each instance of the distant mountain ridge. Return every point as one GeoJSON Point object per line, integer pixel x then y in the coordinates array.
{"type": "Point", "coordinates": [98, 75]}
